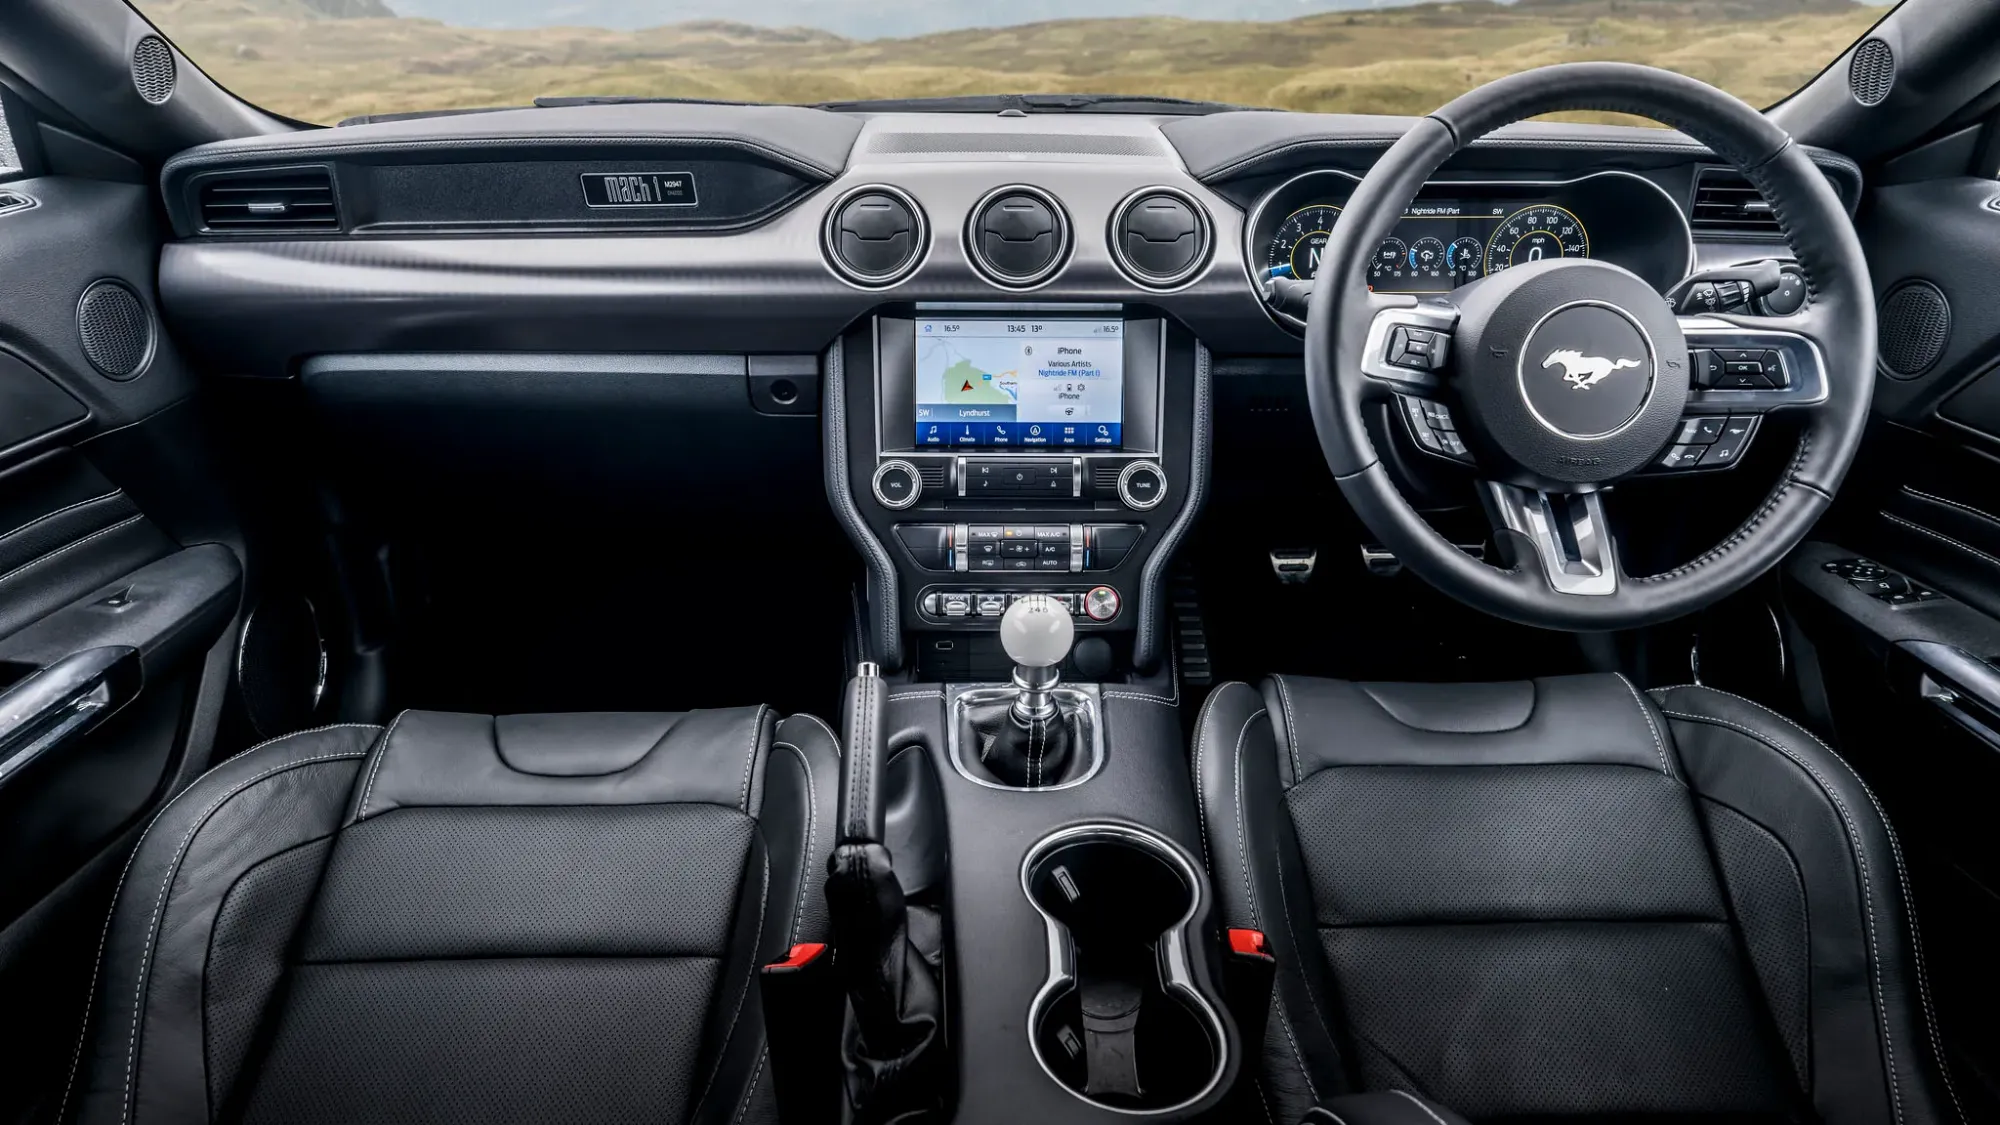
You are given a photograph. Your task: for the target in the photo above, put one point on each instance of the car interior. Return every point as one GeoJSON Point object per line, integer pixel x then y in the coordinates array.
{"type": "Point", "coordinates": [1001, 609]}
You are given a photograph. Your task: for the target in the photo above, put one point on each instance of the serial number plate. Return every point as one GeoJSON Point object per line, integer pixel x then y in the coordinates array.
{"type": "Point", "coordinates": [638, 189]}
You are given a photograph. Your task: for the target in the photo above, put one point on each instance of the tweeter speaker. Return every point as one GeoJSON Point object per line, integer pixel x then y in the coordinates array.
{"type": "Point", "coordinates": [1914, 324]}
{"type": "Point", "coordinates": [153, 69]}
{"type": "Point", "coordinates": [1871, 72]}
{"type": "Point", "coordinates": [116, 329]}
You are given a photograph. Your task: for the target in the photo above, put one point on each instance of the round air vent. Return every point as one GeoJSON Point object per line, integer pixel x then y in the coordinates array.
{"type": "Point", "coordinates": [1017, 236]}
{"type": "Point", "coordinates": [1913, 325]}
{"type": "Point", "coordinates": [1872, 71]}
{"type": "Point", "coordinates": [153, 70]}
{"type": "Point", "coordinates": [875, 236]}
{"type": "Point", "coordinates": [1159, 237]}
{"type": "Point", "coordinates": [116, 329]}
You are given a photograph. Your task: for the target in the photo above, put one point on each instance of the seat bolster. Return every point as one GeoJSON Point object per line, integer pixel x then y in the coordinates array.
{"type": "Point", "coordinates": [140, 1060]}
{"type": "Point", "coordinates": [434, 758]}
{"type": "Point", "coordinates": [1391, 1107]}
{"type": "Point", "coordinates": [801, 800]}
{"type": "Point", "coordinates": [1875, 1050]}
{"type": "Point", "coordinates": [1259, 881]}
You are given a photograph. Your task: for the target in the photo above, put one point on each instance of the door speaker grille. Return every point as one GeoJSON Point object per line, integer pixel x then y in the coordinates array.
{"type": "Point", "coordinates": [115, 328]}
{"type": "Point", "coordinates": [1914, 326]}
{"type": "Point", "coordinates": [1871, 72]}
{"type": "Point", "coordinates": [153, 70]}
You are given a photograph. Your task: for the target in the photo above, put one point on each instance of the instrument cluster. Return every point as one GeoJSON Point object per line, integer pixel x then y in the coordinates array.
{"type": "Point", "coordinates": [1456, 232]}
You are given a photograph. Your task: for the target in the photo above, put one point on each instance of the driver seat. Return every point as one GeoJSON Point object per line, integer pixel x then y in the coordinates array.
{"type": "Point", "coordinates": [1565, 899]}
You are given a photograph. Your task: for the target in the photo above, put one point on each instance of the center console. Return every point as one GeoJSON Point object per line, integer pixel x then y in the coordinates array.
{"type": "Point", "coordinates": [981, 453]}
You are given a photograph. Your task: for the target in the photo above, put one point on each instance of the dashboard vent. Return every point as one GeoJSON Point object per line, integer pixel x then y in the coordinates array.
{"type": "Point", "coordinates": [1871, 72]}
{"type": "Point", "coordinates": [1104, 477]}
{"type": "Point", "coordinates": [153, 69]}
{"type": "Point", "coordinates": [1725, 201]}
{"type": "Point", "coordinates": [1159, 236]}
{"type": "Point", "coordinates": [875, 236]}
{"type": "Point", "coordinates": [1017, 236]}
{"type": "Point", "coordinates": [935, 476]}
{"type": "Point", "coordinates": [11, 201]}
{"type": "Point", "coordinates": [1049, 144]}
{"type": "Point", "coordinates": [270, 201]}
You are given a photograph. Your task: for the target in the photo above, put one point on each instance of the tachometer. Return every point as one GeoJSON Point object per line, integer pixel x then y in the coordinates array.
{"type": "Point", "coordinates": [1295, 249]}
{"type": "Point", "coordinates": [1534, 233]}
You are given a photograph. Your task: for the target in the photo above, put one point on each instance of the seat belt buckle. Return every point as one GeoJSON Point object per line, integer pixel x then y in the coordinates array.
{"type": "Point", "coordinates": [802, 1009]}
{"type": "Point", "coordinates": [801, 956]}
{"type": "Point", "coordinates": [1250, 943]}
{"type": "Point", "coordinates": [1249, 970]}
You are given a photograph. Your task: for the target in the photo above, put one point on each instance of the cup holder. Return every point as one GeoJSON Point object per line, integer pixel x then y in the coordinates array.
{"type": "Point", "coordinates": [1120, 1021]}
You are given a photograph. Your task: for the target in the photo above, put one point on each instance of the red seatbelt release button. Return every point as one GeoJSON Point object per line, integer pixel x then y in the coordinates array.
{"type": "Point", "coordinates": [801, 955]}
{"type": "Point", "coordinates": [1249, 943]}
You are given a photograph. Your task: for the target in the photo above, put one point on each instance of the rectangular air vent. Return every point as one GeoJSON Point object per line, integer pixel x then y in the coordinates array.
{"type": "Point", "coordinates": [270, 201]}
{"type": "Point", "coordinates": [1725, 201]}
{"type": "Point", "coordinates": [933, 474]}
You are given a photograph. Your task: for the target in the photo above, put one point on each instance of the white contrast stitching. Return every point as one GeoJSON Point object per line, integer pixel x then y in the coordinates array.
{"type": "Point", "coordinates": [1903, 883]}
{"type": "Point", "coordinates": [1242, 845]}
{"type": "Point", "coordinates": [750, 1091]}
{"type": "Point", "coordinates": [1659, 744]}
{"type": "Point", "coordinates": [821, 724]}
{"type": "Point", "coordinates": [750, 759]}
{"type": "Point", "coordinates": [1200, 738]}
{"type": "Point", "coordinates": [104, 939]}
{"type": "Point", "coordinates": [1941, 537]}
{"type": "Point", "coordinates": [381, 755]}
{"type": "Point", "coordinates": [1867, 891]}
{"type": "Point", "coordinates": [1966, 508]}
{"type": "Point", "coordinates": [1404, 1094]}
{"type": "Point", "coordinates": [756, 942]}
{"type": "Point", "coordinates": [60, 511]}
{"type": "Point", "coordinates": [1291, 731]}
{"type": "Point", "coordinates": [915, 695]}
{"type": "Point", "coordinates": [805, 857]}
{"type": "Point", "coordinates": [68, 547]}
{"type": "Point", "coordinates": [159, 907]}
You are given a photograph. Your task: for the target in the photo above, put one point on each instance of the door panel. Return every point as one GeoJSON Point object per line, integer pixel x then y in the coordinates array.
{"type": "Point", "coordinates": [121, 574]}
{"type": "Point", "coordinates": [1924, 502]}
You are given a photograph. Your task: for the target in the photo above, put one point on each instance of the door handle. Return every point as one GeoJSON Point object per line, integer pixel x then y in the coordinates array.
{"type": "Point", "coordinates": [1964, 688]}
{"type": "Point", "coordinates": [60, 702]}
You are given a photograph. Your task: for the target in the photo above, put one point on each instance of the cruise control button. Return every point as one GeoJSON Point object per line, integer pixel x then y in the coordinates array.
{"type": "Point", "coordinates": [1452, 443]}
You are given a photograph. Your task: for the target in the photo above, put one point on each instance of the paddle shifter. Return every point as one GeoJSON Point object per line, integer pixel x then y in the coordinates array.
{"type": "Point", "coordinates": [1031, 741]}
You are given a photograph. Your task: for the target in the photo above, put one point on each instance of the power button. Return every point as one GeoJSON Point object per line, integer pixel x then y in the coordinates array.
{"type": "Point", "coordinates": [1101, 604]}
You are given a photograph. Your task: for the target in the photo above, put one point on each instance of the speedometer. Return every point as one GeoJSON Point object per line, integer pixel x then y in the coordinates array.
{"type": "Point", "coordinates": [1534, 233]}
{"type": "Point", "coordinates": [1295, 249]}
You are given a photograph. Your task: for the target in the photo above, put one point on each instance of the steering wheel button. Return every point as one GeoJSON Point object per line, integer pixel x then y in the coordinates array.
{"type": "Point", "coordinates": [1700, 431]}
{"type": "Point", "coordinates": [1682, 456]}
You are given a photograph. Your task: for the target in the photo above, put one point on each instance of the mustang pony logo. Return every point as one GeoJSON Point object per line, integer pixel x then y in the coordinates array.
{"type": "Point", "coordinates": [1585, 371]}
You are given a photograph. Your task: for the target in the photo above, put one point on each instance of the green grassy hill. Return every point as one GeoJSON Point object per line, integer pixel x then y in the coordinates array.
{"type": "Point", "coordinates": [282, 55]}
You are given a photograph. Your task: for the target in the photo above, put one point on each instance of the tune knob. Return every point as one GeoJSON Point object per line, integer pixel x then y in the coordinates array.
{"type": "Point", "coordinates": [1142, 486]}
{"type": "Point", "coordinates": [897, 485]}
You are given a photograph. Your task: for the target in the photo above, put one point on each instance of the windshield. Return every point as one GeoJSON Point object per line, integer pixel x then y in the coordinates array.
{"type": "Point", "coordinates": [327, 60]}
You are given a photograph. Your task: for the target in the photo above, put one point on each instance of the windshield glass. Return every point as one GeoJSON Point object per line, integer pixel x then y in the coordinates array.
{"type": "Point", "coordinates": [326, 60]}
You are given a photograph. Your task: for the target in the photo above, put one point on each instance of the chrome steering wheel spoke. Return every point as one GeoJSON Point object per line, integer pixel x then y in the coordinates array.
{"type": "Point", "coordinates": [1566, 531]}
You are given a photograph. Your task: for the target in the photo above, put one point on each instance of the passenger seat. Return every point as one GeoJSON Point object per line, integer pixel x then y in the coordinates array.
{"type": "Point", "coordinates": [464, 918]}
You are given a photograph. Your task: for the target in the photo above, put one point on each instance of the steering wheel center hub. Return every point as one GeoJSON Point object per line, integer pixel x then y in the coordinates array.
{"type": "Point", "coordinates": [1575, 373]}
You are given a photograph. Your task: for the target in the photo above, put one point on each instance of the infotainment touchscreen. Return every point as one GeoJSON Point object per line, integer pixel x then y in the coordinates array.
{"type": "Point", "coordinates": [1020, 383]}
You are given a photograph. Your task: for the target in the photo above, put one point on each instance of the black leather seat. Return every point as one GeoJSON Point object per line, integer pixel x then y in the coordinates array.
{"type": "Point", "coordinates": [464, 918]}
{"type": "Point", "coordinates": [1563, 899]}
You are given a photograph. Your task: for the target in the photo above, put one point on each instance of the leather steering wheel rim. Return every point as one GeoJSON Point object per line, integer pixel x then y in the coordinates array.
{"type": "Point", "coordinates": [1839, 319]}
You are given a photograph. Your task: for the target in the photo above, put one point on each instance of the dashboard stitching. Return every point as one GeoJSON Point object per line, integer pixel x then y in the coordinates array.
{"type": "Point", "coordinates": [1966, 508]}
{"type": "Point", "coordinates": [236, 155]}
{"type": "Point", "coordinates": [1940, 537]}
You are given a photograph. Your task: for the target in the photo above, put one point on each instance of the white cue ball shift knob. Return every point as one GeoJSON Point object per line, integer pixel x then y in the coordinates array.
{"type": "Point", "coordinates": [1036, 631]}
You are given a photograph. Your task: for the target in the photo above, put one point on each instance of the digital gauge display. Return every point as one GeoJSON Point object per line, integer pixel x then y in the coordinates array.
{"type": "Point", "coordinates": [1438, 246]}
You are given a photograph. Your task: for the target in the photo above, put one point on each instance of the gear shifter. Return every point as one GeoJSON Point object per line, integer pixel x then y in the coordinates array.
{"type": "Point", "coordinates": [1031, 741]}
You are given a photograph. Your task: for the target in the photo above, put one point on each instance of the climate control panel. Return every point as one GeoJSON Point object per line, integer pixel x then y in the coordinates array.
{"type": "Point", "coordinates": [1059, 548]}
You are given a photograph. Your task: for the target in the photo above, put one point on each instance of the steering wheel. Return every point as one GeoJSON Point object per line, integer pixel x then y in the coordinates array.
{"type": "Point", "coordinates": [1567, 375]}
